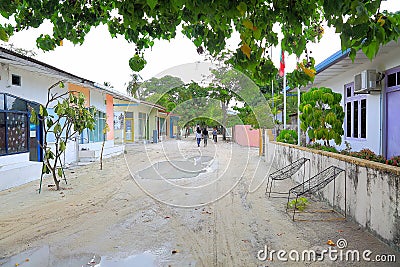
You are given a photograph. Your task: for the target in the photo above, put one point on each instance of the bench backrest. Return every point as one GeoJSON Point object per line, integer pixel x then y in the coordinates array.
{"type": "Point", "coordinates": [317, 182]}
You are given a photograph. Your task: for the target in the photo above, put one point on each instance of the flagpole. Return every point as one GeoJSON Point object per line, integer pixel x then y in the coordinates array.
{"type": "Point", "coordinates": [284, 100]}
{"type": "Point", "coordinates": [282, 73]}
{"type": "Point", "coordinates": [273, 102]}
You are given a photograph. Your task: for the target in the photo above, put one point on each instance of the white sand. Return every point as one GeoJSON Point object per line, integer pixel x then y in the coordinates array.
{"type": "Point", "coordinates": [107, 213]}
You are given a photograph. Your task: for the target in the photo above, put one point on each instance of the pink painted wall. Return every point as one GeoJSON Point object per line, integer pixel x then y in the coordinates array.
{"type": "Point", "coordinates": [245, 137]}
{"type": "Point", "coordinates": [110, 116]}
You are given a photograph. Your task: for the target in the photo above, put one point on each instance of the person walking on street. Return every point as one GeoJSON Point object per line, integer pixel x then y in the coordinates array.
{"type": "Point", "coordinates": [187, 131]}
{"type": "Point", "coordinates": [215, 133]}
{"type": "Point", "coordinates": [198, 136]}
{"type": "Point", "coordinates": [205, 136]}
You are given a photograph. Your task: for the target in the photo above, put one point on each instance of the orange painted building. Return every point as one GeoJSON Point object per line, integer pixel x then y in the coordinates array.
{"type": "Point", "coordinates": [80, 89]}
{"type": "Point", "coordinates": [110, 116]}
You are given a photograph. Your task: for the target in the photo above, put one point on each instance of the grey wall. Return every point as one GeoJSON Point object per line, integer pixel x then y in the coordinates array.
{"type": "Point", "coordinates": [372, 189]}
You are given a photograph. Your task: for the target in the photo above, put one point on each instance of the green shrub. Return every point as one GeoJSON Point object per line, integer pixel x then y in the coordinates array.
{"type": "Point", "coordinates": [368, 155]}
{"type": "Point", "coordinates": [322, 115]}
{"type": "Point", "coordinates": [318, 146]}
{"type": "Point", "coordinates": [287, 136]}
{"type": "Point", "coordinates": [362, 154]}
{"type": "Point", "coordinates": [329, 149]}
{"type": "Point", "coordinates": [299, 203]}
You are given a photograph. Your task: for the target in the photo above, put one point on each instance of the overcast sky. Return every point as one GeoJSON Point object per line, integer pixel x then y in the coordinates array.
{"type": "Point", "coordinates": [103, 59]}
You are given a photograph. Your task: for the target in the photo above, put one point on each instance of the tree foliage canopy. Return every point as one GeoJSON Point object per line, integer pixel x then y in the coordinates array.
{"type": "Point", "coordinates": [209, 24]}
{"type": "Point", "coordinates": [322, 115]}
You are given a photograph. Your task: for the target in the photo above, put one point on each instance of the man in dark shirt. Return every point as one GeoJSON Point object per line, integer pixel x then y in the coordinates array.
{"type": "Point", "coordinates": [205, 136]}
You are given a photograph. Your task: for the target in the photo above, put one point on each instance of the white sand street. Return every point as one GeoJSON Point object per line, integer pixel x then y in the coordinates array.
{"type": "Point", "coordinates": [191, 208]}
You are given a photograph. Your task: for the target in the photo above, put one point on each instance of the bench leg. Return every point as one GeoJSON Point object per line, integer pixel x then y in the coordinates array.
{"type": "Point", "coordinates": [270, 188]}
{"type": "Point", "coordinates": [295, 206]}
{"type": "Point", "coordinates": [266, 188]}
{"type": "Point", "coordinates": [287, 203]}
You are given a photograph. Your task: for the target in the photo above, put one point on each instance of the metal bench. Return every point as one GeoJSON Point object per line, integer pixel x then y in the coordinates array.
{"type": "Point", "coordinates": [316, 183]}
{"type": "Point", "coordinates": [285, 173]}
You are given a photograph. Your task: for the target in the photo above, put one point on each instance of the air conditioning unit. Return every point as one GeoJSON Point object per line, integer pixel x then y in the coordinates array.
{"type": "Point", "coordinates": [365, 82]}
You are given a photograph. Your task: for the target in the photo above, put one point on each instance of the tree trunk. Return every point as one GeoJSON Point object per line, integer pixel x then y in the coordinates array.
{"type": "Point", "coordinates": [224, 107]}
{"type": "Point", "coordinates": [56, 181]}
{"type": "Point", "coordinates": [101, 154]}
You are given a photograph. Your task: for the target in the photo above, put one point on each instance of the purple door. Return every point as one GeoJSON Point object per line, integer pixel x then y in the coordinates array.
{"type": "Point", "coordinates": [393, 125]}
{"type": "Point", "coordinates": [393, 113]}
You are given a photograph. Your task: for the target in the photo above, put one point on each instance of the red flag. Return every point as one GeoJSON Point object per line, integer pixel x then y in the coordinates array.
{"type": "Point", "coordinates": [282, 64]}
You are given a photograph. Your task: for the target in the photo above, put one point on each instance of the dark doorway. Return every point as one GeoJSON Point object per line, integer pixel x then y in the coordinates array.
{"type": "Point", "coordinates": [35, 138]}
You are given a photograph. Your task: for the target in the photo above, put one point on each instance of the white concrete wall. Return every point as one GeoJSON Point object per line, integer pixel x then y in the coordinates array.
{"type": "Point", "coordinates": [71, 154]}
{"type": "Point", "coordinates": [97, 100]}
{"type": "Point", "coordinates": [33, 85]}
{"type": "Point", "coordinates": [12, 159]}
{"type": "Point", "coordinates": [372, 189]}
{"type": "Point", "coordinates": [375, 110]}
{"type": "Point", "coordinates": [17, 169]}
{"type": "Point", "coordinates": [96, 146]}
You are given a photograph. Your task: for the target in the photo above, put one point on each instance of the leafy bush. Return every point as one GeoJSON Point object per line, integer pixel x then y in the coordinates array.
{"type": "Point", "coordinates": [362, 154]}
{"type": "Point", "coordinates": [299, 203]}
{"type": "Point", "coordinates": [322, 115]}
{"type": "Point", "coordinates": [318, 146]}
{"type": "Point", "coordinates": [287, 136]}
{"type": "Point", "coordinates": [368, 155]}
{"type": "Point", "coordinates": [394, 161]}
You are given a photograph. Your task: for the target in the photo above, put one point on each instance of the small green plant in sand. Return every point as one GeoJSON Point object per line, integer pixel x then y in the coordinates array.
{"type": "Point", "coordinates": [300, 203]}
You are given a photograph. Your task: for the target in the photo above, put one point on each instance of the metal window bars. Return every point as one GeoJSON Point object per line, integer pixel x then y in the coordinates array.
{"type": "Point", "coordinates": [285, 173]}
{"type": "Point", "coordinates": [316, 183]}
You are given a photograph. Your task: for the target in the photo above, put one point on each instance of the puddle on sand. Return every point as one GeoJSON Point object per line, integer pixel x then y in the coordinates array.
{"type": "Point", "coordinates": [36, 257]}
{"type": "Point", "coordinates": [141, 260]}
{"type": "Point", "coordinates": [178, 169]}
{"type": "Point", "coordinates": [42, 258]}
{"type": "Point", "coordinates": [200, 159]}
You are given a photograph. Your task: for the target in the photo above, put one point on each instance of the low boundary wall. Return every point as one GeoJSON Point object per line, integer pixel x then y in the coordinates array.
{"type": "Point", "coordinates": [372, 189]}
{"type": "Point", "coordinates": [244, 135]}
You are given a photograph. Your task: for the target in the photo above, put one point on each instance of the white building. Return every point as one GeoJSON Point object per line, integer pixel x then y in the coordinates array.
{"type": "Point", "coordinates": [372, 102]}
{"type": "Point", "coordinates": [24, 83]}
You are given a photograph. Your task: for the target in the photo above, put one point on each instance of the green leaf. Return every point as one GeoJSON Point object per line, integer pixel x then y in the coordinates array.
{"type": "Point", "coordinates": [33, 118]}
{"type": "Point", "coordinates": [45, 169]}
{"type": "Point", "coordinates": [198, 41]}
{"type": "Point", "coordinates": [3, 34]}
{"type": "Point", "coordinates": [352, 54]}
{"type": "Point", "coordinates": [242, 7]}
{"type": "Point", "coordinates": [57, 128]}
{"type": "Point", "coordinates": [60, 172]}
{"type": "Point", "coordinates": [42, 111]}
{"type": "Point", "coordinates": [371, 49]}
{"type": "Point", "coordinates": [62, 146]}
{"type": "Point", "coordinates": [152, 3]}
{"type": "Point", "coordinates": [257, 34]}
{"type": "Point", "coordinates": [49, 122]}
{"type": "Point", "coordinates": [248, 24]}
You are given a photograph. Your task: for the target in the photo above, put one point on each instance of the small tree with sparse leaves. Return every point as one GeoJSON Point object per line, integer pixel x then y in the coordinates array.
{"type": "Point", "coordinates": [71, 118]}
{"type": "Point", "coordinates": [105, 130]}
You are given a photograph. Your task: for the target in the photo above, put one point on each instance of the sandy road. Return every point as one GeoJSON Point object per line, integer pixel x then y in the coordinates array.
{"type": "Point", "coordinates": [209, 219]}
